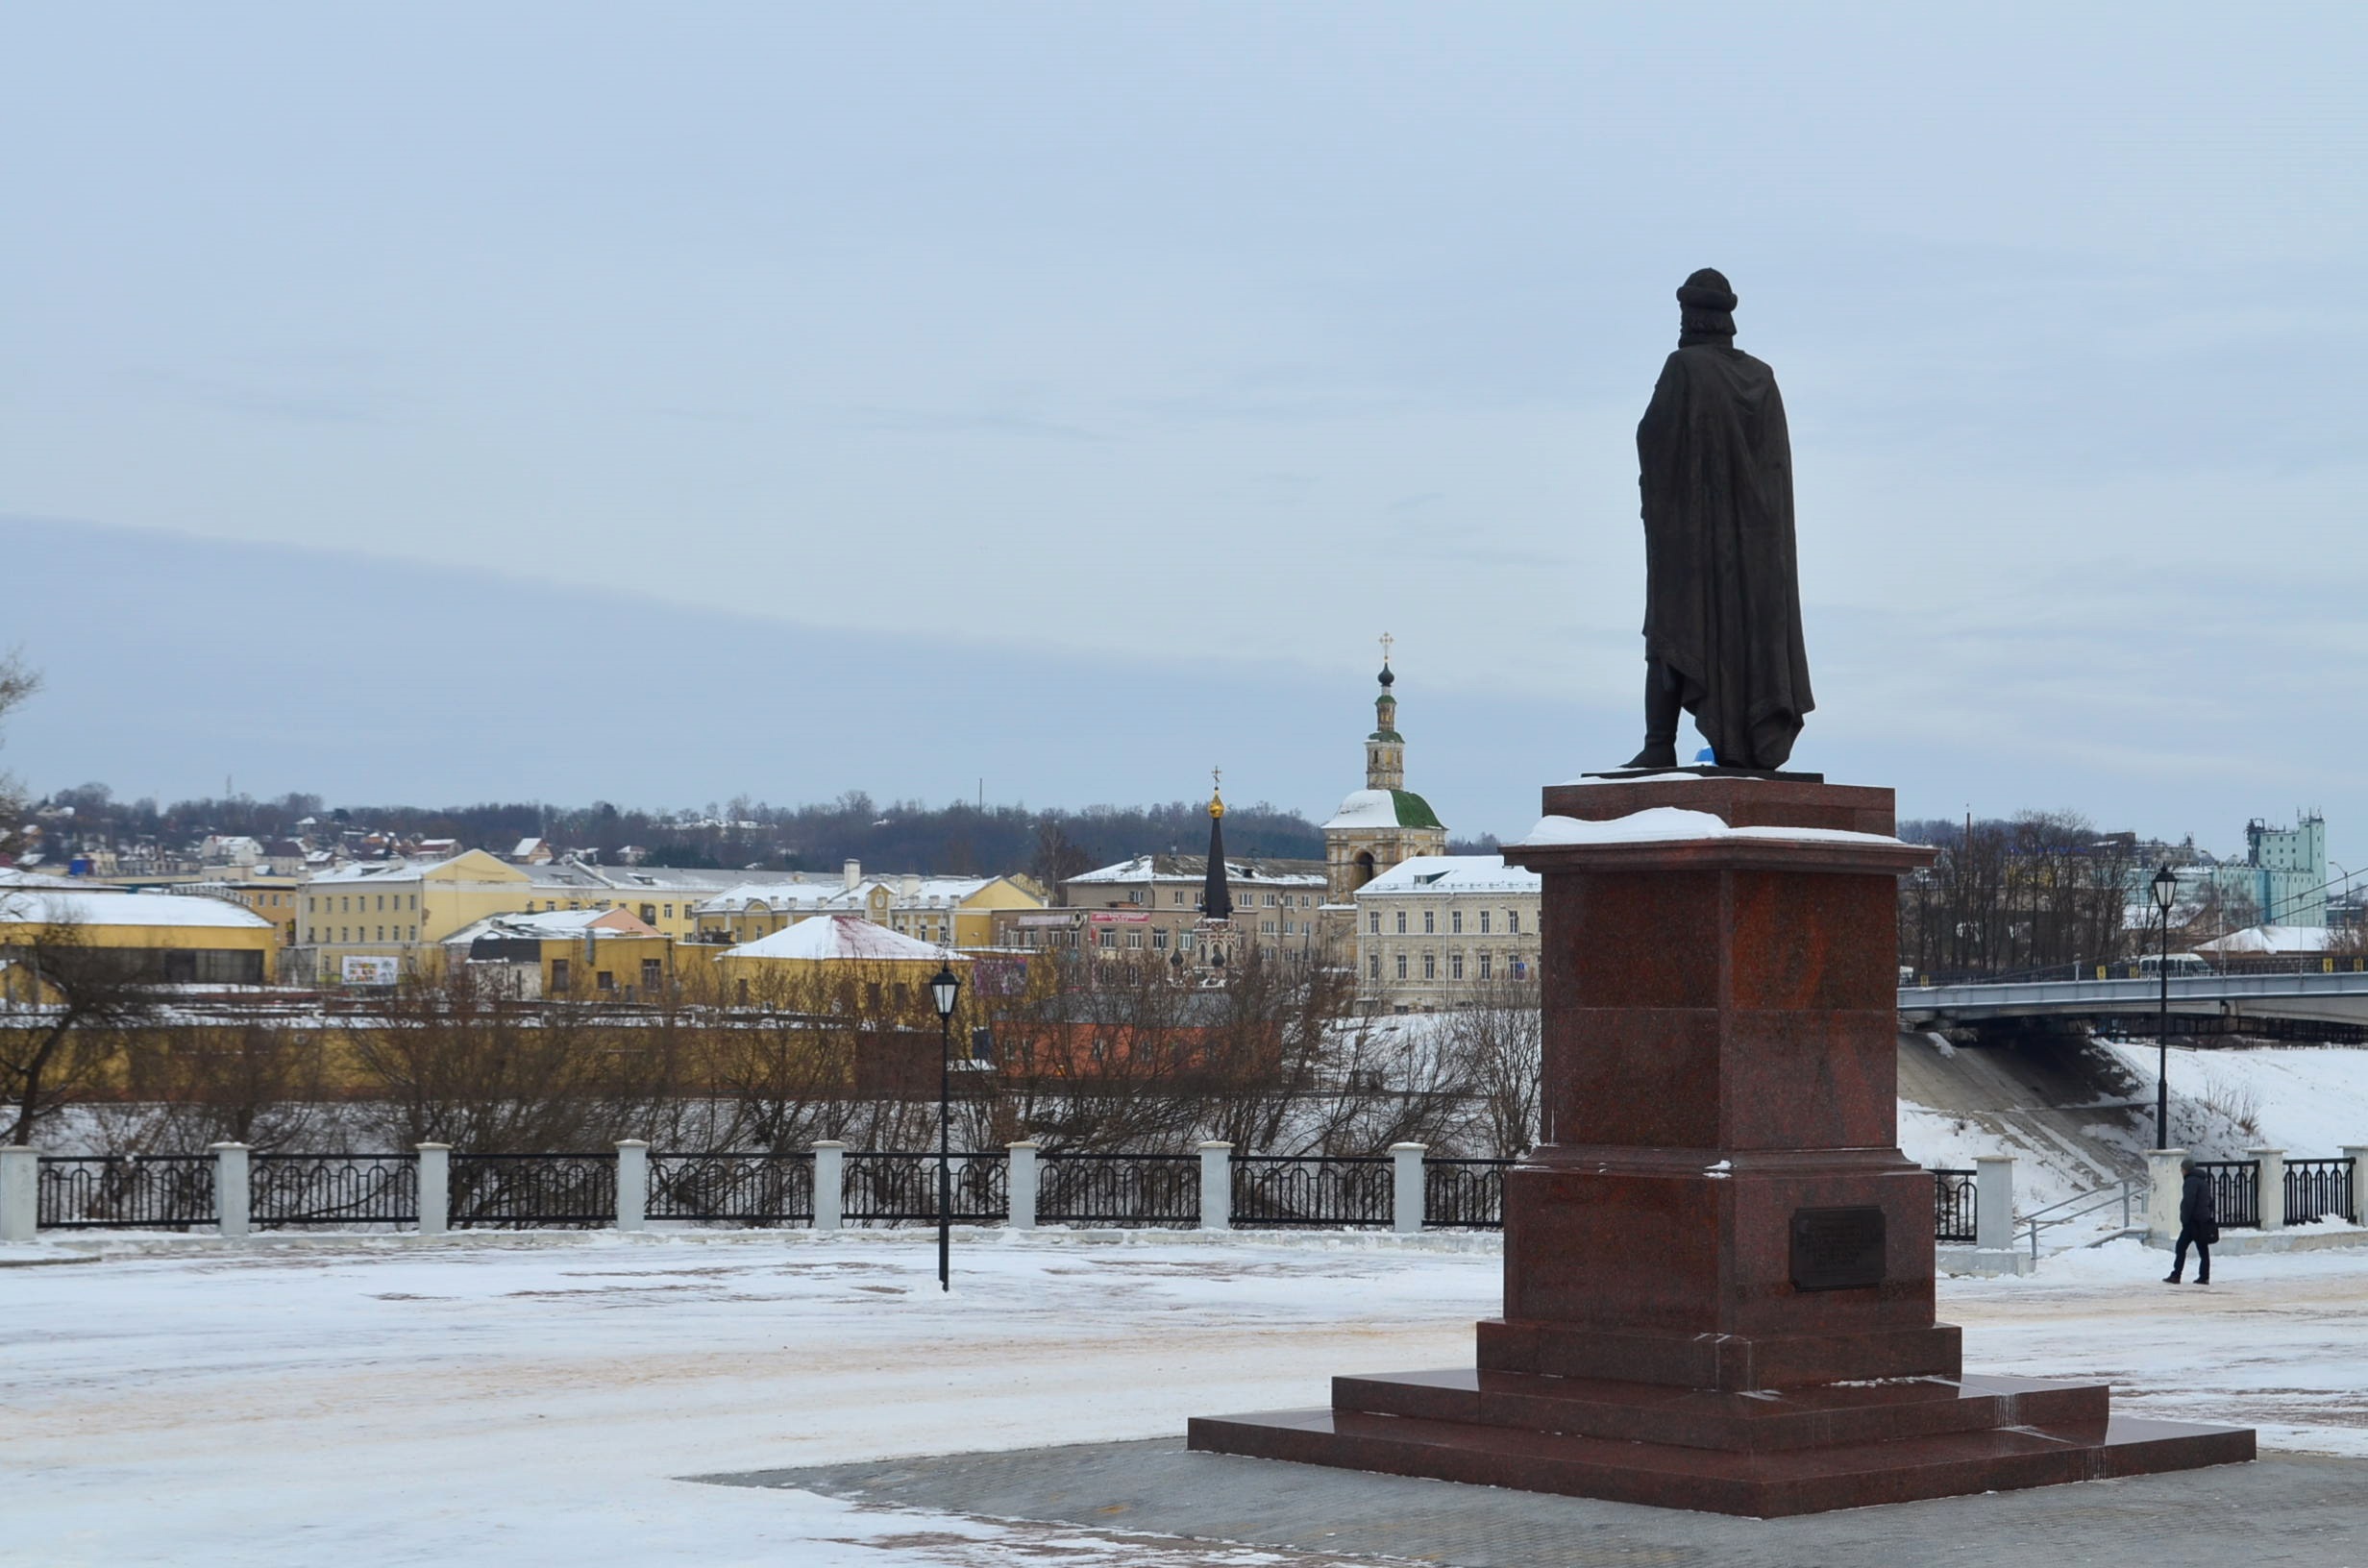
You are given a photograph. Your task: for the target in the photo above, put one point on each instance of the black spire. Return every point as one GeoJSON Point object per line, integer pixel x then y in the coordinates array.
{"type": "Point", "coordinates": [1215, 898]}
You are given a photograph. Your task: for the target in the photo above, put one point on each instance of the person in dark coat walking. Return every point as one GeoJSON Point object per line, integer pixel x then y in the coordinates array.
{"type": "Point", "coordinates": [2196, 1224]}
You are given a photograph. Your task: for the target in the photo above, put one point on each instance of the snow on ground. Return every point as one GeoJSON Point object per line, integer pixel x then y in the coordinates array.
{"type": "Point", "coordinates": [536, 1399]}
{"type": "Point", "coordinates": [2309, 1100]}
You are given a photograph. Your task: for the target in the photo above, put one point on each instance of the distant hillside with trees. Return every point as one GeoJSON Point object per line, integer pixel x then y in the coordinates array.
{"type": "Point", "coordinates": [958, 839]}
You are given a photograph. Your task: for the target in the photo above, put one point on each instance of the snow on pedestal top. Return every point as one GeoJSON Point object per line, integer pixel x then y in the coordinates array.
{"type": "Point", "coordinates": [1675, 824]}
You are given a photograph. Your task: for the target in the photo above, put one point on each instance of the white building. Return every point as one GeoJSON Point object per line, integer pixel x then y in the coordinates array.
{"type": "Point", "coordinates": [1442, 930]}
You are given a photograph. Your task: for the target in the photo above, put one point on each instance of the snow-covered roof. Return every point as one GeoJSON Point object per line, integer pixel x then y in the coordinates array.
{"type": "Point", "coordinates": [934, 891]}
{"type": "Point", "coordinates": [374, 871]}
{"type": "Point", "coordinates": [1447, 875]}
{"type": "Point", "coordinates": [779, 895]}
{"type": "Point", "coordinates": [1384, 808]}
{"type": "Point", "coordinates": [143, 909]}
{"type": "Point", "coordinates": [1194, 869]}
{"type": "Point", "coordinates": [11, 877]}
{"type": "Point", "coordinates": [550, 925]}
{"type": "Point", "coordinates": [828, 937]}
{"type": "Point", "coordinates": [2271, 939]}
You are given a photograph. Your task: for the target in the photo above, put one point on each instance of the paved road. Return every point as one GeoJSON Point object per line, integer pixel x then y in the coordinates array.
{"type": "Point", "coordinates": [2286, 1509]}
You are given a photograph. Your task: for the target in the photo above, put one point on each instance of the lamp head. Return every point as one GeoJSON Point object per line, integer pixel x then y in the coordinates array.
{"type": "Point", "coordinates": [945, 986]}
{"type": "Point", "coordinates": [2166, 888]}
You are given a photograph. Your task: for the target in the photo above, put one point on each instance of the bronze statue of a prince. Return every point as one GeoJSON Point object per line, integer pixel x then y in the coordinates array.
{"type": "Point", "coordinates": [1722, 603]}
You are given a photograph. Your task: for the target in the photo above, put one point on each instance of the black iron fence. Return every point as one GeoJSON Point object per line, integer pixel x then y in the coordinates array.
{"type": "Point", "coordinates": [887, 1187]}
{"type": "Point", "coordinates": [2236, 1191]}
{"type": "Point", "coordinates": [1464, 1194]}
{"type": "Point", "coordinates": [332, 1190]}
{"type": "Point", "coordinates": [2317, 1189]}
{"type": "Point", "coordinates": [1119, 1189]}
{"type": "Point", "coordinates": [1956, 1207]}
{"type": "Point", "coordinates": [144, 1191]}
{"type": "Point", "coordinates": [516, 1189]}
{"type": "Point", "coordinates": [900, 1186]}
{"type": "Point", "coordinates": [1331, 1190]}
{"type": "Point", "coordinates": [732, 1188]}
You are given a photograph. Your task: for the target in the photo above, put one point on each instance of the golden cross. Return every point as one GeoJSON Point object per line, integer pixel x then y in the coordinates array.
{"type": "Point", "coordinates": [1386, 641]}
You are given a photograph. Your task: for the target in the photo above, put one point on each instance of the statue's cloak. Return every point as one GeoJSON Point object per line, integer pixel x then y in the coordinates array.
{"type": "Point", "coordinates": [1722, 606]}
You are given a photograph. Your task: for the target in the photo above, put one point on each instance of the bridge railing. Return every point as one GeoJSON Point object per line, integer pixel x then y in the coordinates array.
{"type": "Point", "coordinates": [2317, 1190]}
{"type": "Point", "coordinates": [1956, 1207]}
{"type": "Point", "coordinates": [2235, 1193]}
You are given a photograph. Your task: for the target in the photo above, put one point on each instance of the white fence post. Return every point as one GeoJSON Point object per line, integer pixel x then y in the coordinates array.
{"type": "Point", "coordinates": [2357, 1154]}
{"type": "Point", "coordinates": [20, 1192]}
{"type": "Point", "coordinates": [1216, 1186]}
{"type": "Point", "coordinates": [229, 1189]}
{"type": "Point", "coordinates": [1993, 1202]}
{"type": "Point", "coordinates": [830, 1179]}
{"type": "Point", "coordinates": [2162, 1179]}
{"type": "Point", "coordinates": [632, 1183]}
{"type": "Point", "coordinates": [1023, 1183]}
{"type": "Point", "coordinates": [1406, 1187]}
{"type": "Point", "coordinates": [436, 1187]}
{"type": "Point", "coordinates": [2269, 1197]}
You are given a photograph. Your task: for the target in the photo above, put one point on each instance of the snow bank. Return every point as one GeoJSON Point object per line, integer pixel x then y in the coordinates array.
{"type": "Point", "coordinates": [2309, 1100]}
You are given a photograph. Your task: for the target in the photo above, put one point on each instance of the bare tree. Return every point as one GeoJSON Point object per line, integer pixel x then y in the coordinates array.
{"type": "Point", "coordinates": [188, 1082]}
{"type": "Point", "coordinates": [68, 1002]}
{"type": "Point", "coordinates": [1495, 1036]}
{"type": "Point", "coordinates": [444, 1062]}
{"type": "Point", "coordinates": [18, 682]}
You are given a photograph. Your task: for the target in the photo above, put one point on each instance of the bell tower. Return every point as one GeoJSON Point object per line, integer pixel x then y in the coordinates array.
{"type": "Point", "coordinates": [1378, 826]}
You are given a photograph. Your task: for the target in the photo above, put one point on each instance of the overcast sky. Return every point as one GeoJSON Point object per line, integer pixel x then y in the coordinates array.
{"type": "Point", "coordinates": [1222, 338]}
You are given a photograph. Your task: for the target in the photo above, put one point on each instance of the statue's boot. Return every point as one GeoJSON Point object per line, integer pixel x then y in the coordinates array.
{"type": "Point", "coordinates": [1660, 711]}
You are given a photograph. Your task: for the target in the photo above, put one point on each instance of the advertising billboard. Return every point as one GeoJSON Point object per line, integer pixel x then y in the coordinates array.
{"type": "Point", "coordinates": [370, 972]}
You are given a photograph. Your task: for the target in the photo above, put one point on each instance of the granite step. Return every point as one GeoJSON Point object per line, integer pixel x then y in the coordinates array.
{"type": "Point", "coordinates": [1761, 1484]}
{"type": "Point", "coordinates": [1812, 1416]}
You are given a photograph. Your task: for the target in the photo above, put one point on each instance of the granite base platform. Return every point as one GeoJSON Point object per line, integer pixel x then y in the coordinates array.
{"type": "Point", "coordinates": [1158, 1500]}
{"type": "Point", "coordinates": [1765, 1453]}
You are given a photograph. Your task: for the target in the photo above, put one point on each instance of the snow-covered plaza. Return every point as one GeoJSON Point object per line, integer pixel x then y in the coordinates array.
{"type": "Point", "coordinates": [531, 1398]}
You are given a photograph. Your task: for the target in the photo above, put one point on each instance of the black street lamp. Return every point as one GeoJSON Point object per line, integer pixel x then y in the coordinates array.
{"type": "Point", "coordinates": [2166, 894]}
{"type": "Point", "coordinates": [945, 987]}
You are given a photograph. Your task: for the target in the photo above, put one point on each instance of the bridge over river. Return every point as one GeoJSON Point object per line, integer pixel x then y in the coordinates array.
{"type": "Point", "coordinates": [2225, 998]}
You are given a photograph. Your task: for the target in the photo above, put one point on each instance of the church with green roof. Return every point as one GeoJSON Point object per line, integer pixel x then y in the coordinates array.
{"type": "Point", "coordinates": [1378, 826]}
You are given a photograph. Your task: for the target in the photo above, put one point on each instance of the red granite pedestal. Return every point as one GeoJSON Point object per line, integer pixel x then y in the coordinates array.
{"type": "Point", "coordinates": [1718, 1267]}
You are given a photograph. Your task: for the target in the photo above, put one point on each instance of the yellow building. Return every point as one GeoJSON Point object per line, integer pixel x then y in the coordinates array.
{"type": "Point", "coordinates": [180, 939]}
{"type": "Point", "coordinates": [355, 919]}
{"type": "Point", "coordinates": [948, 911]}
{"type": "Point", "coordinates": [276, 899]}
{"type": "Point", "coordinates": [601, 954]}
